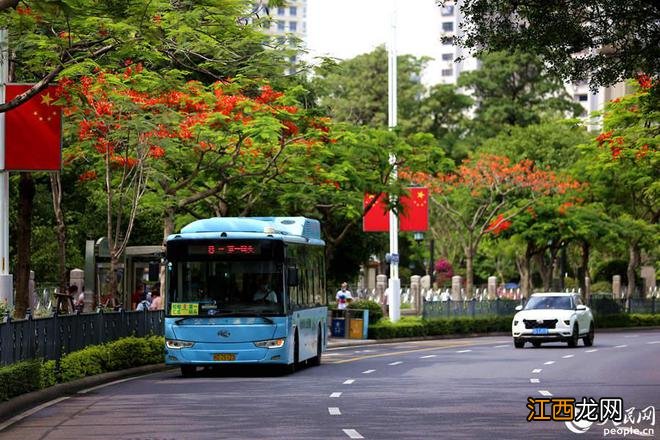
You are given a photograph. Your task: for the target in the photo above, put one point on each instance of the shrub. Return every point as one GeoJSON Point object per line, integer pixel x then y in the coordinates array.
{"type": "Point", "coordinates": [86, 362]}
{"type": "Point", "coordinates": [126, 353]}
{"type": "Point", "coordinates": [415, 327]}
{"type": "Point", "coordinates": [48, 374]}
{"type": "Point", "coordinates": [375, 311]}
{"type": "Point", "coordinates": [601, 287]}
{"type": "Point", "coordinates": [19, 378]}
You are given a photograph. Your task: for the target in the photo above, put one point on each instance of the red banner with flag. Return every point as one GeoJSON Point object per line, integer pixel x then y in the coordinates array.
{"type": "Point", "coordinates": [33, 131]}
{"type": "Point", "coordinates": [414, 215]}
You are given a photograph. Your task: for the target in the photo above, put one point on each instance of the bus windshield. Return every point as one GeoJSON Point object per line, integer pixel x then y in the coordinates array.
{"type": "Point", "coordinates": [224, 288]}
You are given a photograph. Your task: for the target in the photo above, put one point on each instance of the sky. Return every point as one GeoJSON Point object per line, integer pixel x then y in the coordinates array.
{"type": "Point", "coordinates": [346, 28]}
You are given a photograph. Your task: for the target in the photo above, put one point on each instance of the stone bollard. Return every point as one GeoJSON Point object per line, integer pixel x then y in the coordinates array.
{"type": "Point", "coordinates": [616, 286]}
{"type": "Point", "coordinates": [381, 285]}
{"type": "Point", "coordinates": [416, 292]}
{"type": "Point", "coordinates": [32, 293]}
{"type": "Point", "coordinates": [456, 283]}
{"type": "Point", "coordinates": [587, 289]}
{"type": "Point", "coordinates": [77, 278]}
{"type": "Point", "coordinates": [492, 288]}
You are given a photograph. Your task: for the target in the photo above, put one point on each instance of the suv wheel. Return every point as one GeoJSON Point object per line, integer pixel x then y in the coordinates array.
{"type": "Point", "coordinates": [589, 339]}
{"type": "Point", "coordinates": [575, 337]}
{"type": "Point", "coordinates": [518, 343]}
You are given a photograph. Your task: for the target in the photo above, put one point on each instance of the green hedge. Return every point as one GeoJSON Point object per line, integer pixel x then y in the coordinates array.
{"type": "Point", "coordinates": [418, 327]}
{"type": "Point", "coordinates": [375, 311]}
{"type": "Point", "coordinates": [36, 374]}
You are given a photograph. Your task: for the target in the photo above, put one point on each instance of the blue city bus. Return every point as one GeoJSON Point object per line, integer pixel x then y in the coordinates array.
{"type": "Point", "coordinates": [246, 290]}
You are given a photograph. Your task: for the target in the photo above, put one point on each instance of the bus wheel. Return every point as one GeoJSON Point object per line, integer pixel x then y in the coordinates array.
{"type": "Point", "coordinates": [188, 370]}
{"type": "Point", "coordinates": [316, 360]}
{"type": "Point", "coordinates": [292, 367]}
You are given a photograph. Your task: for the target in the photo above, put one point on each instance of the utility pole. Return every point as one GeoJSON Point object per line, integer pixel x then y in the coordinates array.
{"type": "Point", "coordinates": [6, 282]}
{"type": "Point", "coordinates": [394, 284]}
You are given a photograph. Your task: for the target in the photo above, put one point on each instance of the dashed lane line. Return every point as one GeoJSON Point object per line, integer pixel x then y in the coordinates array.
{"type": "Point", "coordinates": [549, 363]}
{"type": "Point", "coordinates": [428, 356]}
{"type": "Point", "coordinates": [338, 394]}
{"type": "Point", "coordinates": [368, 371]}
{"type": "Point", "coordinates": [398, 353]}
{"type": "Point", "coordinates": [545, 393]}
{"type": "Point", "coordinates": [395, 363]}
{"type": "Point", "coordinates": [592, 350]}
{"type": "Point", "coordinates": [334, 411]}
{"type": "Point", "coordinates": [537, 370]}
{"type": "Point", "coordinates": [534, 380]}
{"type": "Point", "coordinates": [349, 381]}
{"type": "Point", "coordinates": [501, 346]}
{"type": "Point", "coordinates": [352, 433]}
{"type": "Point", "coordinates": [653, 342]}
{"type": "Point", "coordinates": [568, 356]}
{"type": "Point", "coordinates": [621, 346]}
{"type": "Point", "coordinates": [463, 351]}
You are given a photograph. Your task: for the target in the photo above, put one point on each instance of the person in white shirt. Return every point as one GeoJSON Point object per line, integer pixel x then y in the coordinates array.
{"type": "Point", "coordinates": [265, 292]}
{"type": "Point", "coordinates": [343, 296]}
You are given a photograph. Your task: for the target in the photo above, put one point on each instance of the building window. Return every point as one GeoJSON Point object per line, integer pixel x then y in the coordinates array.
{"type": "Point", "coordinates": [293, 26]}
{"type": "Point", "coordinates": [447, 56]}
{"type": "Point", "coordinates": [447, 72]}
{"type": "Point", "coordinates": [293, 10]}
{"type": "Point", "coordinates": [280, 25]}
{"type": "Point", "coordinates": [448, 26]}
{"type": "Point", "coordinates": [280, 11]}
{"type": "Point", "coordinates": [582, 98]}
{"type": "Point", "coordinates": [447, 11]}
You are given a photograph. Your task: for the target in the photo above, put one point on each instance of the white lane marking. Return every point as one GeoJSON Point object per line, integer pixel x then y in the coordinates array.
{"type": "Point", "coordinates": [335, 394]}
{"type": "Point", "coordinates": [364, 351]}
{"type": "Point", "coordinates": [545, 393]}
{"type": "Point", "coordinates": [631, 336]}
{"type": "Point", "coordinates": [330, 354]}
{"type": "Point", "coordinates": [549, 363]}
{"type": "Point", "coordinates": [534, 380]}
{"type": "Point", "coordinates": [592, 350]}
{"type": "Point", "coordinates": [500, 346]}
{"type": "Point", "coordinates": [537, 370]}
{"type": "Point", "coordinates": [568, 356]}
{"type": "Point", "coordinates": [28, 413]}
{"type": "Point", "coordinates": [368, 371]}
{"type": "Point", "coordinates": [395, 363]}
{"type": "Point", "coordinates": [620, 346]}
{"type": "Point", "coordinates": [334, 411]}
{"type": "Point", "coordinates": [463, 351]}
{"type": "Point", "coordinates": [653, 342]}
{"type": "Point", "coordinates": [428, 356]}
{"type": "Point", "coordinates": [349, 381]}
{"type": "Point", "coordinates": [352, 433]}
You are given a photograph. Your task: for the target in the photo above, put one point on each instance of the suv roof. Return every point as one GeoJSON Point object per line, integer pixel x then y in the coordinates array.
{"type": "Point", "coordinates": [554, 294]}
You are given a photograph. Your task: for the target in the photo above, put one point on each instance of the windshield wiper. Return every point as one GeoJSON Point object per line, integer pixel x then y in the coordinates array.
{"type": "Point", "coordinates": [178, 321]}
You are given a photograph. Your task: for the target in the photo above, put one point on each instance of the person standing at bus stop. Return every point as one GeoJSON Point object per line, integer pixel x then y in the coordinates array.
{"type": "Point", "coordinates": [343, 296]}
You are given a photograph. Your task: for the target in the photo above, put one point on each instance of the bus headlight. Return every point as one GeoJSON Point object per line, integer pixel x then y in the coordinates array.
{"type": "Point", "coordinates": [271, 343]}
{"type": "Point", "coordinates": [176, 344]}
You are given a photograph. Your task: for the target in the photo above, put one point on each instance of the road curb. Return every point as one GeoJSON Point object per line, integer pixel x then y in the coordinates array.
{"type": "Point", "coordinates": [19, 404]}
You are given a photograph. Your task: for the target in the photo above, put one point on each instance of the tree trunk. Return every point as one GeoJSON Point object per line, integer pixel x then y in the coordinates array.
{"type": "Point", "coordinates": [469, 271]}
{"type": "Point", "coordinates": [524, 264]}
{"type": "Point", "coordinates": [584, 269]}
{"type": "Point", "coordinates": [56, 191]}
{"type": "Point", "coordinates": [26, 199]}
{"type": "Point", "coordinates": [545, 270]}
{"type": "Point", "coordinates": [633, 262]}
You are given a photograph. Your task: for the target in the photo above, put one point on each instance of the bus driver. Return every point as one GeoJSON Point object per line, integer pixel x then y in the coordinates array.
{"type": "Point", "coordinates": [264, 292]}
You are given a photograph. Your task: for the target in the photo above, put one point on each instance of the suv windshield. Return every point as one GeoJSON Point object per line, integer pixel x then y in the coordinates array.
{"type": "Point", "coordinates": [549, 302]}
{"type": "Point", "coordinates": [213, 288]}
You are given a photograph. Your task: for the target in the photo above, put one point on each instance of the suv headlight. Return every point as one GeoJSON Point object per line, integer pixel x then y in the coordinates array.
{"type": "Point", "coordinates": [270, 343]}
{"type": "Point", "coordinates": [175, 344]}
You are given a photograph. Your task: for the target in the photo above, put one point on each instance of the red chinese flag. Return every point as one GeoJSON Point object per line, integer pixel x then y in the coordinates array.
{"type": "Point", "coordinates": [33, 131]}
{"type": "Point", "coordinates": [377, 218]}
{"type": "Point", "coordinates": [414, 215]}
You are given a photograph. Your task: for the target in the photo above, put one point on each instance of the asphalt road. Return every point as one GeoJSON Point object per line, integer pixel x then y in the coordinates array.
{"type": "Point", "coordinates": [461, 388]}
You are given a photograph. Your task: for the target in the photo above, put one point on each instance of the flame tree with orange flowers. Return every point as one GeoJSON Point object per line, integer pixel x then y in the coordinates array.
{"type": "Point", "coordinates": [484, 193]}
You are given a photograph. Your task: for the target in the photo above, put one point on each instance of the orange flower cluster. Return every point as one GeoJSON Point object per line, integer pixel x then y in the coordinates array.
{"type": "Point", "coordinates": [498, 225]}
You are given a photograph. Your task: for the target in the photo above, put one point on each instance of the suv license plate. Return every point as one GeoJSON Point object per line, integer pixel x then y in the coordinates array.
{"type": "Point", "coordinates": [224, 356]}
{"type": "Point", "coordinates": [540, 331]}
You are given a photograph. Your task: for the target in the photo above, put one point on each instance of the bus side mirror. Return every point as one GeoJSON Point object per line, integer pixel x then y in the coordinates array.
{"type": "Point", "coordinates": [292, 276]}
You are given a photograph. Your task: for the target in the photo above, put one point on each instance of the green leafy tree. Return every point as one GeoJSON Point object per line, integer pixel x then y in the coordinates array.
{"type": "Point", "coordinates": [603, 41]}
{"type": "Point", "coordinates": [514, 89]}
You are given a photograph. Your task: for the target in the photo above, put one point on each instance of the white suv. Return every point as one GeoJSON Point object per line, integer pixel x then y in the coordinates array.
{"type": "Point", "coordinates": [551, 317]}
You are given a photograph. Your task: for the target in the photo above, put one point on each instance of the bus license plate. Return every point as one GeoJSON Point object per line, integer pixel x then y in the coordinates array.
{"type": "Point", "coordinates": [224, 356]}
{"type": "Point", "coordinates": [540, 331]}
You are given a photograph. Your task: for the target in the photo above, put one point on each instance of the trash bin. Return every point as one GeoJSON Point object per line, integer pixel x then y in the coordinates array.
{"type": "Point", "coordinates": [339, 327]}
{"type": "Point", "coordinates": [355, 328]}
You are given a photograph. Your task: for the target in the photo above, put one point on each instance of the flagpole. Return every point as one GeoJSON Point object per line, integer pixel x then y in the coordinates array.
{"type": "Point", "coordinates": [394, 283]}
{"type": "Point", "coordinates": [6, 282]}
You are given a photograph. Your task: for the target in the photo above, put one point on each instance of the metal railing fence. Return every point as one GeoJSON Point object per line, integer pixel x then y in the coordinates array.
{"type": "Point", "coordinates": [53, 337]}
{"type": "Point", "coordinates": [469, 308]}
